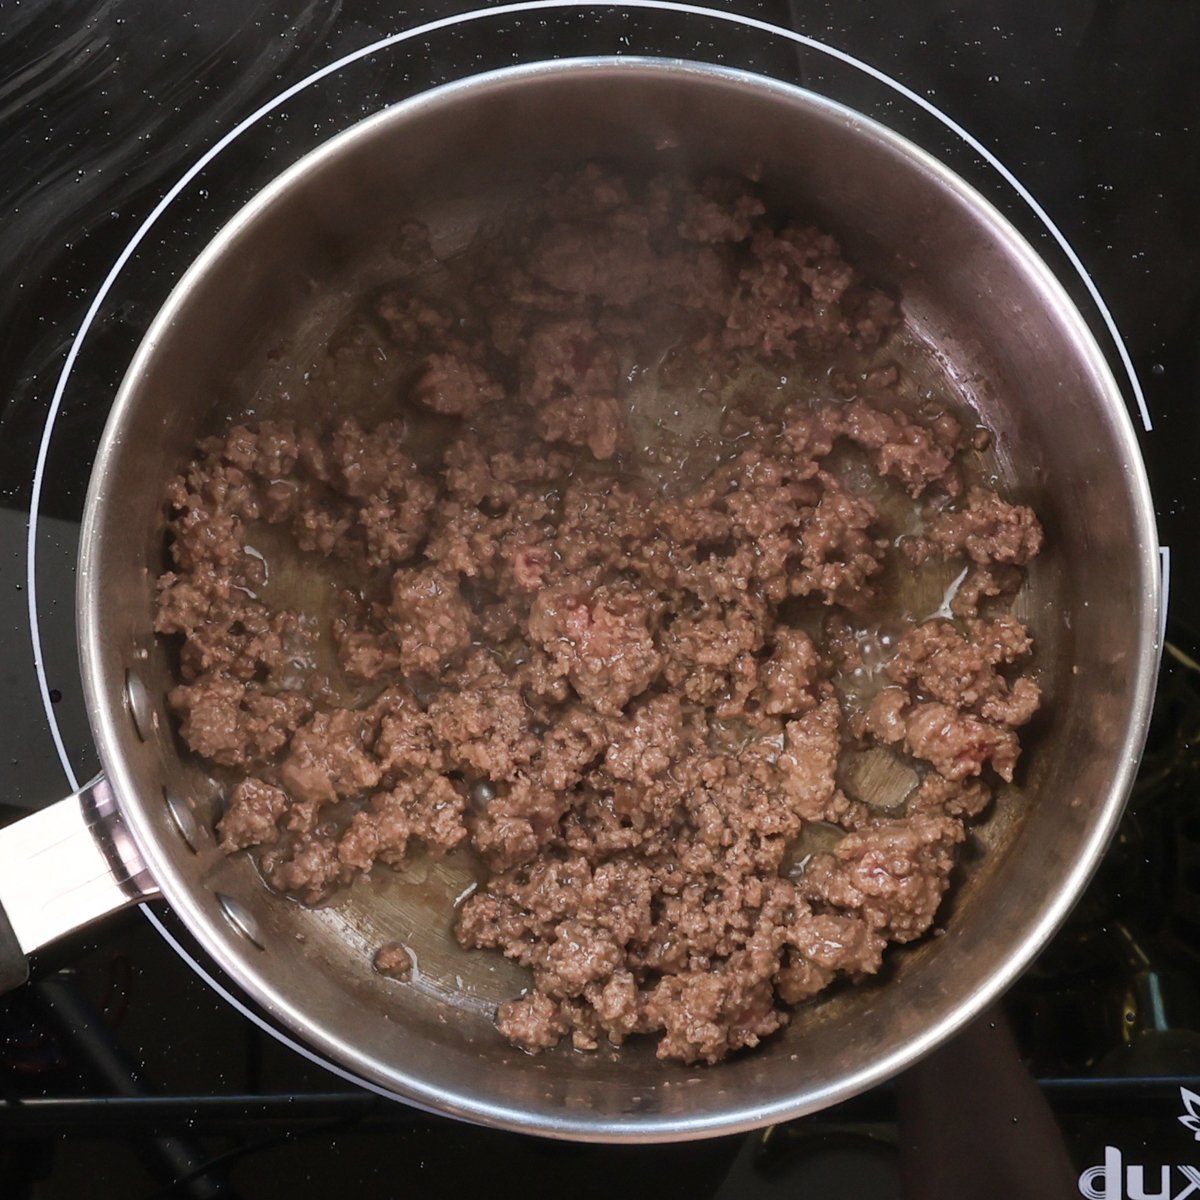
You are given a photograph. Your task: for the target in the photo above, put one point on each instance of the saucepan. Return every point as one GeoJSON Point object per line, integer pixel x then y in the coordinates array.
{"type": "Point", "coordinates": [1005, 332]}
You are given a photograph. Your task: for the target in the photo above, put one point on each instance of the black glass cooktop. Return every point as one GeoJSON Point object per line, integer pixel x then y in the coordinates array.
{"type": "Point", "coordinates": [130, 131]}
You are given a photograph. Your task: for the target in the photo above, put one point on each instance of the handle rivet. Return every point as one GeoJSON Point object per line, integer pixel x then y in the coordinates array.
{"type": "Point", "coordinates": [237, 916]}
{"type": "Point", "coordinates": [141, 711]}
{"type": "Point", "coordinates": [183, 819]}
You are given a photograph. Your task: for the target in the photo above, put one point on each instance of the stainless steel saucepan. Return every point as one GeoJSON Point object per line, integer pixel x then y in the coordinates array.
{"type": "Point", "coordinates": [291, 260]}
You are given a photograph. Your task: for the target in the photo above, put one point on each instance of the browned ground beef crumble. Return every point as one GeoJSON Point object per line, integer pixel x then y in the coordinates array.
{"type": "Point", "coordinates": [626, 697]}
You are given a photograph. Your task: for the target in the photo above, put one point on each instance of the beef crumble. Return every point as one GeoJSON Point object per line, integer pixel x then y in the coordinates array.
{"type": "Point", "coordinates": [624, 689]}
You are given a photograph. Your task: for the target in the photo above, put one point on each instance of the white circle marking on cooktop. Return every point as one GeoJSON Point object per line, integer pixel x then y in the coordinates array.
{"type": "Point", "coordinates": [277, 101]}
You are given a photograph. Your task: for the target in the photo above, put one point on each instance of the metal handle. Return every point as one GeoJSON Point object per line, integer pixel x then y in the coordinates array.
{"type": "Point", "coordinates": [62, 868]}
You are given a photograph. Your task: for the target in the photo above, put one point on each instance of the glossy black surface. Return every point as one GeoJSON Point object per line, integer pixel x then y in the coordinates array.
{"type": "Point", "coordinates": [104, 107]}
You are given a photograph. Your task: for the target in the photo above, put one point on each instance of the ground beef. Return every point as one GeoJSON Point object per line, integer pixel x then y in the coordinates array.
{"type": "Point", "coordinates": [917, 455]}
{"type": "Point", "coordinates": [936, 793]}
{"type": "Point", "coordinates": [956, 744]}
{"type": "Point", "coordinates": [454, 387]}
{"type": "Point", "coordinates": [891, 873]}
{"type": "Point", "coordinates": [808, 764]}
{"type": "Point", "coordinates": [393, 960]}
{"type": "Point", "coordinates": [954, 707]}
{"type": "Point", "coordinates": [987, 530]}
{"type": "Point", "coordinates": [305, 865]}
{"type": "Point", "coordinates": [786, 678]}
{"type": "Point", "coordinates": [251, 816]}
{"type": "Point", "coordinates": [481, 721]}
{"type": "Point", "coordinates": [329, 758]}
{"type": "Point", "coordinates": [428, 618]}
{"type": "Point", "coordinates": [796, 292]}
{"type": "Point", "coordinates": [571, 379]}
{"type": "Point", "coordinates": [533, 1022]}
{"type": "Point", "coordinates": [236, 724]}
{"type": "Point", "coordinates": [602, 641]}
{"type": "Point", "coordinates": [619, 675]}
{"type": "Point", "coordinates": [980, 583]}
{"type": "Point", "coordinates": [431, 811]}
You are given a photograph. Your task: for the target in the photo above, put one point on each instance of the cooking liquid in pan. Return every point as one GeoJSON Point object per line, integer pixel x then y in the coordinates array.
{"type": "Point", "coordinates": [674, 411]}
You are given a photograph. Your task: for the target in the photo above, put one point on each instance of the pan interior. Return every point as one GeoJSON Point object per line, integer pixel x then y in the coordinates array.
{"type": "Point", "coordinates": [983, 319]}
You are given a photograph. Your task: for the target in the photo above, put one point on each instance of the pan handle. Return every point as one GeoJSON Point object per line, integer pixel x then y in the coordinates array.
{"type": "Point", "coordinates": [62, 868]}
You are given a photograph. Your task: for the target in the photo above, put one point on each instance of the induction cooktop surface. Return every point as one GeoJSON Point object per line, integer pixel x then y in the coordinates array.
{"type": "Point", "coordinates": [130, 132]}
